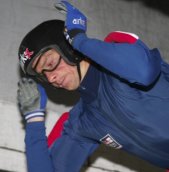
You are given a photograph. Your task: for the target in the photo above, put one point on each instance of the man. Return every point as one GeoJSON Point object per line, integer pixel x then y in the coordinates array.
{"type": "Point", "coordinates": [124, 94]}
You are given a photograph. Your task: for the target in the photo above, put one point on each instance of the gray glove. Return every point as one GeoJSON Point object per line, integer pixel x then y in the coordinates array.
{"type": "Point", "coordinates": [31, 98]}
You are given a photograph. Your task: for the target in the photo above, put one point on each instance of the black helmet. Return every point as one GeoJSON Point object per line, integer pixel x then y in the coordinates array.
{"type": "Point", "coordinates": [43, 37]}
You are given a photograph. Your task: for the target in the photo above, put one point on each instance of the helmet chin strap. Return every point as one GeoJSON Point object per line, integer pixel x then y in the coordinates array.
{"type": "Point", "coordinates": [79, 71]}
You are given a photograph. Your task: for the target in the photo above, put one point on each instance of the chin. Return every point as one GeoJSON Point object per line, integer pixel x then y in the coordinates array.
{"type": "Point", "coordinates": [71, 87]}
{"type": "Point", "coordinates": [68, 86]}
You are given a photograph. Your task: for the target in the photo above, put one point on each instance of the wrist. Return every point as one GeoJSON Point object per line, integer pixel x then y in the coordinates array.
{"type": "Point", "coordinates": [70, 34]}
{"type": "Point", "coordinates": [37, 115]}
{"type": "Point", "coordinates": [36, 119]}
{"type": "Point", "coordinates": [75, 32]}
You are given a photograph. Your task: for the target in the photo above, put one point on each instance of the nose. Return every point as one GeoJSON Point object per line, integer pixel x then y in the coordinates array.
{"type": "Point", "coordinates": [50, 76]}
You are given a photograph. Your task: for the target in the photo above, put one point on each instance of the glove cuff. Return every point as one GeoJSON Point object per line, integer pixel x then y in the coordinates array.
{"type": "Point", "coordinates": [37, 113]}
{"type": "Point", "coordinates": [72, 33]}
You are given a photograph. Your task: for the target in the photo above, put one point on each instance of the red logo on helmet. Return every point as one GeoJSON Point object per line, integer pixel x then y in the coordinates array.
{"type": "Point", "coordinates": [28, 53]}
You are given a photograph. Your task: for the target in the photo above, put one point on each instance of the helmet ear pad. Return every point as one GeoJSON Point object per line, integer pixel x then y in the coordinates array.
{"type": "Point", "coordinates": [71, 56]}
{"type": "Point", "coordinates": [45, 36]}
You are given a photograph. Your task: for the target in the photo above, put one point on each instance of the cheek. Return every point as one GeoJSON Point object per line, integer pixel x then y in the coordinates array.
{"type": "Point", "coordinates": [72, 70]}
{"type": "Point", "coordinates": [73, 78]}
{"type": "Point", "coordinates": [73, 74]}
{"type": "Point", "coordinates": [73, 85]}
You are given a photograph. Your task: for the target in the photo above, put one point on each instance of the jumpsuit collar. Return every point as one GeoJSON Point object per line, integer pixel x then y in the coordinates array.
{"type": "Point", "coordinates": [88, 88]}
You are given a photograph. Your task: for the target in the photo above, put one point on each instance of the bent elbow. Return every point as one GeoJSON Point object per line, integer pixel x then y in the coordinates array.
{"type": "Point", "coordinates": [149, 75]}
{"type": "Point", "coordinates": [152, 68]}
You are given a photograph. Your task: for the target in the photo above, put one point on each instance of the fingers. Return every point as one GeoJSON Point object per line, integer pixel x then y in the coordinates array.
{"type": "Point", "coordinates": [61, 7]}
{"type": "Point", "coordinates": [27, 87]}
{"type": "Point", "coordinates": [27, 83]}
{"type": "Point", "coordinates": [27, 91]}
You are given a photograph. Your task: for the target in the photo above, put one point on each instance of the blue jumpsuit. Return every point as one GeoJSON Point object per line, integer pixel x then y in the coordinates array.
{"type": "Point", "coordinates": [124, 103]}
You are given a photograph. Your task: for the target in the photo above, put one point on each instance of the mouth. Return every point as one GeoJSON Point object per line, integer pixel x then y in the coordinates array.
{"type": "Point", "coordinates": [59, 84]}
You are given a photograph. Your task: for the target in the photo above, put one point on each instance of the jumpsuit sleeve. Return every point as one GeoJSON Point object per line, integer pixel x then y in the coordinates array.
{"type": "Point", "coordinates": [37, 153]}
{"type": "Point", "coordinates": [132, 62]}
{"type": "Point", "coordinates": [67, 153]}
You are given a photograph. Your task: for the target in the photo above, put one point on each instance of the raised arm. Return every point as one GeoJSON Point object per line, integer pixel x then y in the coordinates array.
{"type": "Point", "coordinates": [130, 60]}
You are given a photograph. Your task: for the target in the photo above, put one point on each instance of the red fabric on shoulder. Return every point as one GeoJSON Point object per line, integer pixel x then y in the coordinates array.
{"type": "Point", "coordinates": [57, 129]}
{"type": "Point", "coordinates": [167, 170]}
{"type": "Point", "coordinates": [121, 37]}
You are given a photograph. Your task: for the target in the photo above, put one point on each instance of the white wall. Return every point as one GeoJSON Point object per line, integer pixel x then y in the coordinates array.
{"type": "Point", "coordinates": [17, 17]}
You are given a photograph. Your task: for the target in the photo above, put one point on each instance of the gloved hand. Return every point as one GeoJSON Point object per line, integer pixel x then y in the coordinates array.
{"type": "Point", "coordinates": [76, 21]}
{"type": "Point", "coordinates": [31, 98]}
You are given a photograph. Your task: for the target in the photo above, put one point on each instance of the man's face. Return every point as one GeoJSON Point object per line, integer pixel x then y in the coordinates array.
{"type": "Point", "coordinates": [56, 70]}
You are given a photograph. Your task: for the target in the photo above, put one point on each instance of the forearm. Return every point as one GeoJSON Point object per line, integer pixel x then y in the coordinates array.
{"type": "Point", "coordinates": [37, 154]}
